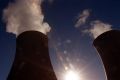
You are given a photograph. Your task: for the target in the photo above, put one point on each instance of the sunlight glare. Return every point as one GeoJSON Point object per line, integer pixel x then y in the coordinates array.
{"type": "Point", "coordinates": [71, 75]}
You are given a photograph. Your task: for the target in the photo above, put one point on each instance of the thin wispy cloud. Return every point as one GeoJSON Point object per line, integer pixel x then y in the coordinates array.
{"type": "Point", "coordinates": [97, 28]}
{"type": "Point", "coordinates": [82, 18]}
{"type": "Point", "coordinates": [50, 1]}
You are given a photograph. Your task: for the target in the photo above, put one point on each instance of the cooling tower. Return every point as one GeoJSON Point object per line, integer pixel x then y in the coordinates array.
{"type": "Point", "coordinates": [32, 61]}
{"type": "Point", "coordinates": [108, 46]}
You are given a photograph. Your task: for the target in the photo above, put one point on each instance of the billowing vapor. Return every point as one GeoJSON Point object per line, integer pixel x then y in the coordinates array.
{"type": "Point", "coordinates": [82, 18]}
{"type": "Point", "coordinates": [25, 15]}
{"type": "Point", "coordinates": [97, 28]}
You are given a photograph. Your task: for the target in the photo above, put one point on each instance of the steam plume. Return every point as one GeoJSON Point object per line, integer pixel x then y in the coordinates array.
{"type": "Point", "coordinates": [82, 18]}
{"type": "Point", "coordinates": [24, 15]}
{"type": "Point", "coordinates": [98, 28]}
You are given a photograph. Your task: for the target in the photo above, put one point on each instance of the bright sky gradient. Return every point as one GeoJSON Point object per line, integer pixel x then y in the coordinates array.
{"type": "Point", "coordinates": [74, 25]}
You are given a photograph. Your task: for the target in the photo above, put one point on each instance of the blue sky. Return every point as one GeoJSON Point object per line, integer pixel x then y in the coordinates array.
{"type": "Point", "coordinates": [72, 44]}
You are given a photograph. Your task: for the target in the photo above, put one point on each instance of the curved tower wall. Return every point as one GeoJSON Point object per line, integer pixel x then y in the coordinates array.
{"type": "Point", "coordinates": [108, 47]}
{"type": "Point", "coordinates": [32, 61]}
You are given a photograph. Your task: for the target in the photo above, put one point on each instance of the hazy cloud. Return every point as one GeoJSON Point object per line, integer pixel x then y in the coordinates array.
{"type": "Point", "coordinates": [24, 15]}
{"type": "Point", "coordinates": [68, 41]}
{"type": "Point", "coordinates": [82, 18]}
{"type": "Point", "coordinates": [97, 28]}
{"type": "Point", "coordinates": [51, 1]}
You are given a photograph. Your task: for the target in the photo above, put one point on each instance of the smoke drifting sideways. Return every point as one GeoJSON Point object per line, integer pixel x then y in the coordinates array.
{"type": "Point", "coordinates": [97, 28]}
{"type": "Point", "coordinates": [25, 15]}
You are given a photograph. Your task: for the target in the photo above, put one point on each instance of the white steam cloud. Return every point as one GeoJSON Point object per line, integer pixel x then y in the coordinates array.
{"type": "Point", "coordinates": [97, 28]}
{"type": "Point", "coordinates": [25, 15]}
{"type": "Point", "coordinates": [82, 18]}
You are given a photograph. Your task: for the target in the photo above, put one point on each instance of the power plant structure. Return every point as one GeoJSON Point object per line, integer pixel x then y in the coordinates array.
{"type": "Point", "coordinates": [32, 61]}
{"type": "Point", "coordinates": [108, 46]}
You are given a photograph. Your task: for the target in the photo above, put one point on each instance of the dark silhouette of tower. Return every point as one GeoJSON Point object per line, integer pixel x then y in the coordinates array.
{"type": "Point", "coordinates": [32, 61]}
{"type": "Point", "coordinates": [108, 46]}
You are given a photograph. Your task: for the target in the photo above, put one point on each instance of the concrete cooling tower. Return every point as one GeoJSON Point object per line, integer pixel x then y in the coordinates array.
{"type": "Point", "coordinates": [108, 46]}
{"type": "Point", "coordinates": [32, 61]}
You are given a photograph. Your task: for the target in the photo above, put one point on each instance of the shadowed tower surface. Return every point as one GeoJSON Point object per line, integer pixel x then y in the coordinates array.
{"type": "Point", "coordinates": [108, 46]}
{"type": "Point", "coordinates": [32, 61]}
